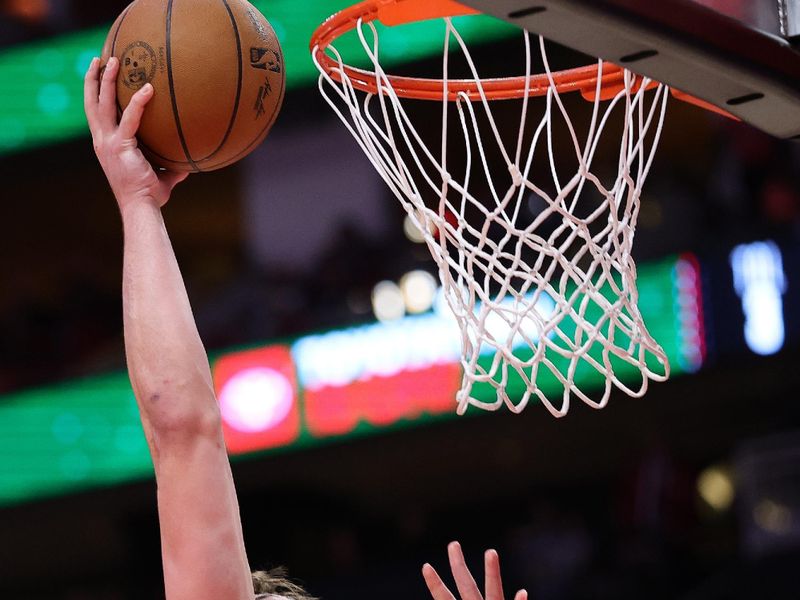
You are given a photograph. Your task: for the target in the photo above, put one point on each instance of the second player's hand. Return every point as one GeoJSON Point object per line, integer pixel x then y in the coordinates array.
{"type": "Point", "coordinates": [467, 588]}
{"type": "Point", "coordinates": [130, 175]}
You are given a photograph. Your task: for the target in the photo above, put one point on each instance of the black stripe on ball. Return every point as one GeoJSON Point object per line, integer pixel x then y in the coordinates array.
{"type": "Point", "coordinates": [170, 77]}
{"type": "Point", "coordinates": [238, 86]}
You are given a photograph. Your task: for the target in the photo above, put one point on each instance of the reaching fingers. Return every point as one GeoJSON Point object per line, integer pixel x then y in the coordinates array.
{"type": "Point", "coordinates": [494, 583]}
{"type": "Point", "coordinates": [435, 584]}
{"type": "Point", "coordinates": [132, 117]}
{"type": "Point", "coordinates": [521, 595]}
{"type": "Point", "coordinates": [464, 582]}
{"type": "Point", "coordinates": [107, 104]}
{"type": "Point", "coordinates": [91, 89]}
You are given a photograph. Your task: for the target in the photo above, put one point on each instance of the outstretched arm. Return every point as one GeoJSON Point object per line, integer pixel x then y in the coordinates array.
{"type": "Point", "coordinates": [201, 535]}
{"type": "Point", "coordinates": [465, 583]}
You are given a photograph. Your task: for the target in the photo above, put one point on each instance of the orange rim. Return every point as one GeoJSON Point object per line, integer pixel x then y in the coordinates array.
{"type": "Point", "coordinates": [398, 12]}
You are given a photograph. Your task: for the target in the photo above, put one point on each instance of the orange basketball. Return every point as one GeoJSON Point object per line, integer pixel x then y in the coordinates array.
{"type": "Point", "coordinates": [217, 70]}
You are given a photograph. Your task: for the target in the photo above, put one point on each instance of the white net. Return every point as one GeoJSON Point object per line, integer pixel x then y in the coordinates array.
{"type": "Point", "coordinates": [534, 257]}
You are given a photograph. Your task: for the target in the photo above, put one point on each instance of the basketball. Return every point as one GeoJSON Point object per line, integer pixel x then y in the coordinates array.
{"type": "Point", "coordinates": [218, 75]}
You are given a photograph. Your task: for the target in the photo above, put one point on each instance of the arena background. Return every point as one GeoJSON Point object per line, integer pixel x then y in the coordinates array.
{"type": "Point", "coordinates": [691, 492]}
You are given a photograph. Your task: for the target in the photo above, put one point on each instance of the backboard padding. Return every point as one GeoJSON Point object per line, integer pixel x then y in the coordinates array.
{"type": "Point", "coordinates": [766, 15]}
{"type": "Point", "coordinates": [730, 58]}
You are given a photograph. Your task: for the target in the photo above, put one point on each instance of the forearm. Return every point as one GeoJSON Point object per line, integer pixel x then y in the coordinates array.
{"type": "Point", "coordinates": [167, 363]}
{"type": "Point", "coordinates": [201, 534]}
{"type": "Point", "coordinates": [199, 513]}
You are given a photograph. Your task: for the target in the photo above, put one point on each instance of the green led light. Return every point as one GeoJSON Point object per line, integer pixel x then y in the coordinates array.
{"type": "Point", "coordinates": [86, 434]}
{"type": "Point", "coordinates": [41, 94]}
{"type": "Point", "coordinates": [49, 63]}
{"type": "Point", "coordinates": [12, 133]}
{"type": "Point", "coordinates": [53, 99]}
{"type": "Point", "coordinates": [75, 465]}
{"type": "Point", "coordinates": [67, 437]}
{"type": "Point", "coordinates": [129, 439]}
{"type": "Point", "coordinates": [67, 428]}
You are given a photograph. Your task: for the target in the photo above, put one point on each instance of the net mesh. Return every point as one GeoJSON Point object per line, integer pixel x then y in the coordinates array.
{"type": "Point", "coordinates": [534, 257]}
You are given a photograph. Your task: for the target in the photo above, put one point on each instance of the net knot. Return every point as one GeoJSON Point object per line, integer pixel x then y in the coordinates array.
{"type": "Point", "coordinates": [516, 176]}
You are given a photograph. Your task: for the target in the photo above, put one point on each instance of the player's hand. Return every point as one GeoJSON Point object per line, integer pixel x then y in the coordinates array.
{"type": "Point", "coordinates": [466, 585]}
{"type": "Point", "coordinates": [131, 176]}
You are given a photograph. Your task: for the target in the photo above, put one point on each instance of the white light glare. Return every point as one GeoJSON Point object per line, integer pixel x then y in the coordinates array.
{"type": "Point", "coordinates": [256, 400]}
{"type": "Point", "coordinates": [417, 342]}
{"type": "Point", "coordinates": [412, 231]}
{"type": "Point", "coordinates": [504, 318]}
{"type": "Point", "coordinates": [773, 516]}
{"type": "Point", "coordinates": [419, 291]}
{"type": "Point", "coordinates": [339, 358]}
{"type": "Point", "coordinates": [760, 282]}
{"type": "Point", "coordinates": [388, 303]}
{"type": "Point", "coordinates": [715, 487]}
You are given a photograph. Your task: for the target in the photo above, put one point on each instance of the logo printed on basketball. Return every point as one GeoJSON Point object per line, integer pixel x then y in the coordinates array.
{"type": "Point", "coordinates": [265, 59]}
{"type": "Point", "coordinates": [263, 91]}
{"type": "Point", "coordinates": [138, 64]}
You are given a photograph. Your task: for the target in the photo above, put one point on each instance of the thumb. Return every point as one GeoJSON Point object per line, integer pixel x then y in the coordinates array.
{"type": "Point", "coordinates": [521, 595]}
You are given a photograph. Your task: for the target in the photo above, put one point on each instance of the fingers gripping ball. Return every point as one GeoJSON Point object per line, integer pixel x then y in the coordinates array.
{"type": "Point", "coordinates": [217, 71]}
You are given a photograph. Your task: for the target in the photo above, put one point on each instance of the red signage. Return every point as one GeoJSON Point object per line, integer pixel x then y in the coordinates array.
{"type": "Point", "coordinates": [382, 401]}
{"type": "Point", "coordinates": [257, 394]}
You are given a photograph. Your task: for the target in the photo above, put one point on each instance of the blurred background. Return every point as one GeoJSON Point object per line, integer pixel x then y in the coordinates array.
{"type": "Point", "coordinates": [316, 302]}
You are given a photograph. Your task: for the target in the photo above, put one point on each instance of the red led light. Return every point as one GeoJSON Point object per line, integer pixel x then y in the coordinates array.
{"type": "Point", "coordinates": [257, 391]}
{"type": "Point", "coordinates": [382, 401]}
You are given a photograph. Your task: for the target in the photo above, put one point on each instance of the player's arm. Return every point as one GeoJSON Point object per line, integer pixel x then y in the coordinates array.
{"type": "Point", "coordinates": [201, 536]}
{"type": "Point", "coordinates": [465, 583]}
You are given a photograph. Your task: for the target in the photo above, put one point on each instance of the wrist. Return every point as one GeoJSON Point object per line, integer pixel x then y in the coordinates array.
{"type": "Point", "coordinates": [132, 205]}
{"type": "Point", "coordinates": [140, 213]}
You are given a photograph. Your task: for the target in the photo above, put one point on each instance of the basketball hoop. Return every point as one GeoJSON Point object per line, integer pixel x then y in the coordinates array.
{"type": "Point", "coordinates": [401, 12]}
{"type": "Point", "coordinates": [547, 295]}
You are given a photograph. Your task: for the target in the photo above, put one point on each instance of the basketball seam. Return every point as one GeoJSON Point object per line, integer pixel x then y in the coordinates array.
{"type": "Point", "coordinates": [257, 139]}
{"type": "Point", "coordinates": [119, 26]}
{"type": "Point", "coordinates": [114, 46]}
{"type": "Point", "coordinates": [266, 128]}
{"type": "Point", "coordinates": [154, 153]}
{"type": "Point", "coordinates": [238, 87]}
{"type": "Point", "coordinates": [170, 78]}
{"type": "Point", "coordinates": [242, 153]}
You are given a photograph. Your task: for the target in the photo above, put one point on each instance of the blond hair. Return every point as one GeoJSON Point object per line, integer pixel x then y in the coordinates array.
{"type": "Point", "coordinates": [273, 584]}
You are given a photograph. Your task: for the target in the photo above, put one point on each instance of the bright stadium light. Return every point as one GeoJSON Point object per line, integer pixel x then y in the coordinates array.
{"type": "Point", "coordinates": [502, 323]}
{"type": "Point", "coordinates": [760, 282]}
{"type": "Point", "coordinates": [387, 301]}
{"type": "Point", "coordinates": [715, 487]}
{"type": "Point", "coordinates": [419, 291]}
{"type": "Point", "coordinates": [256, 400]}
{"type": "Point", "coordinates": [773, 516]}
{"type": "Point", "coordinates": [412, 232]}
